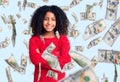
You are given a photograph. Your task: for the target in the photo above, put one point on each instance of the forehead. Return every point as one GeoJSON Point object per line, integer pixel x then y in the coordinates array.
{"type": "Point", "coordinates": [49, 13]}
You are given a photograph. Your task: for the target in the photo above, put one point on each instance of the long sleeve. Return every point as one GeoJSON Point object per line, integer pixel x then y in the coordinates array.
{"type": "Point", "coordinates": [35, 55]}
{"type": "Point", "coordinates": [64, 57]}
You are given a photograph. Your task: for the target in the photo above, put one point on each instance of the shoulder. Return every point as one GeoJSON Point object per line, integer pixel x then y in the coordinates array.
{"type": "Point", "coordinates": [34, 38]}
{"type": "Point", "coordinates": [64, 38]}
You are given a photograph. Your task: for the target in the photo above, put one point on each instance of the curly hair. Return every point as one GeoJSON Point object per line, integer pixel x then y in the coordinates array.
{"type": "Point", "coordinates": [62, 21]}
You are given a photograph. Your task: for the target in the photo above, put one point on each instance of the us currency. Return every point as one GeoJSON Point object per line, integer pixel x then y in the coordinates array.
{"type": "Point", "coordinates": [109, 56]}
{"type": "Point", "coordinates": [88, 14]}
{"type": "Point", "coordinates": [19, 5]}
{"type": "Point", "coordinates": [65, 8]}
{"type": "Point", "coordinates": [94, 29]}
{"type": "Point", "coordinates": [74, 3]}
{"type": "Point", "coordinates": [13, 22]}
{"type": "Point", "coordinates": [72, 32]}
{"type": "Point", "coordinates": [113, 33]}
{"type": "Point", "coordinates": [26, 43]}
{"type": "Point", "coordinates": [18, 15]}
{"type": "Point", "coordinates": [111, 10]}
{"type": "Point", "coordinates": [9, 77]}
{"type": "Point", "coordinates": [5, 43]}
{"type": "Point", "coordinates": [68, 66]}
{"type": "Point", "coordinates": [0, 29]}
{"type": "Point", "coordinates": [79, 48]}
{"type": "Point", "coordinates": [11, 61]}
{"type": "Point", "coordinates": [84, 75]}
{"type": "Point", "coordinates": [94, 42]}
{"type": "Point", "coordinates": [4, 18]}
{"type": "Point", "coordinates": [115, 73]}
{"type": "Point", "coordinates": [45, 0]}
{"type": "Point", "coordinates": [75, 16]}
{"type": "Point", "coordinates": [52, 74]}
{"type": "Point", "coordinates": [24, 4]}
{"type": "Point", "coordinates": [57, 34]}
{"type": "Point", "coordinates": [94, 62]}
{"type": "Point", "coordinates": [104, 78]}
{"type": "Point", "coordinates": [51, 59]}
{"type": "Point", "coordinates": [79, 58]}
{"type": "Point", "coordinates": [31, 4]}
{"type": "Point", "coordinates": [101, 3]}
{"type": "Point", "coordinates": [27, 31]}
{"type": "Point", "coordinates": [4, 2]}
{"type": "Point", "coordinates": [24, 62]}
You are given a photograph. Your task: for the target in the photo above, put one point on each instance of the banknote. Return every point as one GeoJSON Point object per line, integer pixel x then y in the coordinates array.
{"type": "Point", "coordinates": [19, 5]}
{"type": "Point", "coordinates": [88, 14]}
{"type": "Point", "coordinates": [14, 33]}
{"type": "Point", "coordinates": [109, 56]}
{"type": "Point", "coordinates": [45, 0]}
{"type": "Point", "coordinates": [52, 74]}
{"type": "Point", "coordinates": [111, 10]}
{"type": "Point", "coordinates": [74, 3]}
{"type": "Point", "coordinates": [72, 31]}
{"type": "Point", "coordinates": [0, 29]}
{"type": "Point", "coordinates": [115, 73]}
{"type": "Point", "coordinates": [104, 78]}
{"type": "Point", "coordinates": [4, 18]}
{"type": "Point", "coordinates": [57, 34]}
{"type": "Point", "coordinates": [113, 33]}
{"type": "Point", "coordinates": [27, 31]}
{"type": "Point", "coordinates": [65, 8]}
{"type": "Point", "coordinates": [24, 4]}
{"type": "Point", "coordinates": [31, 5]}
{"type": "Point", "coordinates": [101, 3]}
{"type": "Point", "coordinates": [79, 48]}
{"type": "Point", "coordinates": [94, 29]}
{"type": "Point", "coordinates": [94, 62]}
{"type": "Point", "coordinates": [11, 61]}
{"type": "Point", "coordinates": [5, 43]}
{"type": "Point", "coordinates": [8, 74]}
{"type": "Point", "coordinates": [84, 75]}
{"type": "Point", "coordinates": [26, 43]}
{"type": "Point", "coordinates": [94, 42]}
{"type": "Point", "coordinates": [75, 16]}
{"type": "Point", "coordinates": [4, 2]}
{"type": "Point", "coordinates": [23, 62]}
{"type": "Point", "coordinates": [79, 58]}
{"type": "Point", "coordinates": [18, 15]}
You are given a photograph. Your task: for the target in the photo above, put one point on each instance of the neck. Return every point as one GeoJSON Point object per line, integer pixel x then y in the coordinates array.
{"type": "Point", "coordinates": [49, 35]}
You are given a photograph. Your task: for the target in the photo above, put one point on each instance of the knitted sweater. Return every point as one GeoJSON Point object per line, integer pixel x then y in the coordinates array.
{"type": "Point", "coordinates": [37, 47]}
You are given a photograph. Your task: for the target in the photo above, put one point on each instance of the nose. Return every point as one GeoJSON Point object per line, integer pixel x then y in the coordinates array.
{"type": "Point", "coordinates": [49, 21]}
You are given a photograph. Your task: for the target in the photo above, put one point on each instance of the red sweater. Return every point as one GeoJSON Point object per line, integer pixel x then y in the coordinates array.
{"type": "Point", "coordinates": [61, 51]}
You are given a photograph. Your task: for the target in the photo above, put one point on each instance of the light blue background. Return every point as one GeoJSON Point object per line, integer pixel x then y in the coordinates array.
{"type": "Point", "coordinates": [20, 48]}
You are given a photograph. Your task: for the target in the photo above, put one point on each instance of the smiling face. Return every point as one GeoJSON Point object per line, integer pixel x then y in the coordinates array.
{"type": "Point", "coordinates": [49, 22]}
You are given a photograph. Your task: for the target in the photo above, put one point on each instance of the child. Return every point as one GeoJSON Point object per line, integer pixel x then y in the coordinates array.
{"type": "Point", "coordinates": [46, 21]}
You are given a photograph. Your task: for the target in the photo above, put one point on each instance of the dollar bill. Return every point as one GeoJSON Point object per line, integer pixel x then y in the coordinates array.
{"type": "Point", "coordinates": [5, 43]}
{"type": "Point", "coordinates": [45, 0]}
{"type": "Point", "coordinates": [31, 4]}
{"type": "Point", "coordinates": [24, 4]}
{"type": "Point", "coordinates": [75, 16]}
{"type": "Point", "coordinates": [88, 14]}
{"type": "Point", "coordinates": [57, 34]}
{"type": "Point", "coordinates": [27, 31]}
{"type": "Point", "coordinates": [79, 48]}
{"type": "Point", "coordinates": [26, 43]}
{"type": "Point", "coordinates": [115, 74]}
{"type": "Point", "coordinates": [0, 29]}
{"type": "Point", "coordinates": [24, 62]}
{"type": "Point", "coordinates": [4, 18]}
{"type": "Point", "coordinates": [65, 8]}
{"type": "Point", "coordinates": [72, 31]}
{"type": "Point", "coordinates": [9, 77]}
{"type": "Point", "coordinates": [79, 58]}
{"type": "Point", "coordinates": [104, 78]}
{"type": "Point", "coordinates": [52, 74]}
{"type": "Point", "coordinates": [113, 33]}
{"type": "Point", "coordinates": [94, 28]}
{"type": "Point", "coordinates": [14, 33]}
{"type": "Point", "coordinates": [109, 56]}
{"type": "Point", "coordinates": [74, 3]}
{"type": "Point", "coordinates": [4, 2]}
{"type": "Point", "coordinates": [11, 61]}
{"type": "Point", "coordinates": [84, 75]}
{"type": "Point", "coordinates": [94, 62]}
{"type": "Point", "coordinates": [18, 15]}
{"type": "Point", "coordinates": [94, 42]}
{"type": "Point", "coordinates": [19, 5]}
{"type": "Point", "coordinates": [111, 10]}
{"type": "Point", "coordinates": [50, 58]}
{"type": "Point", "coordinates": [101, 3]}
